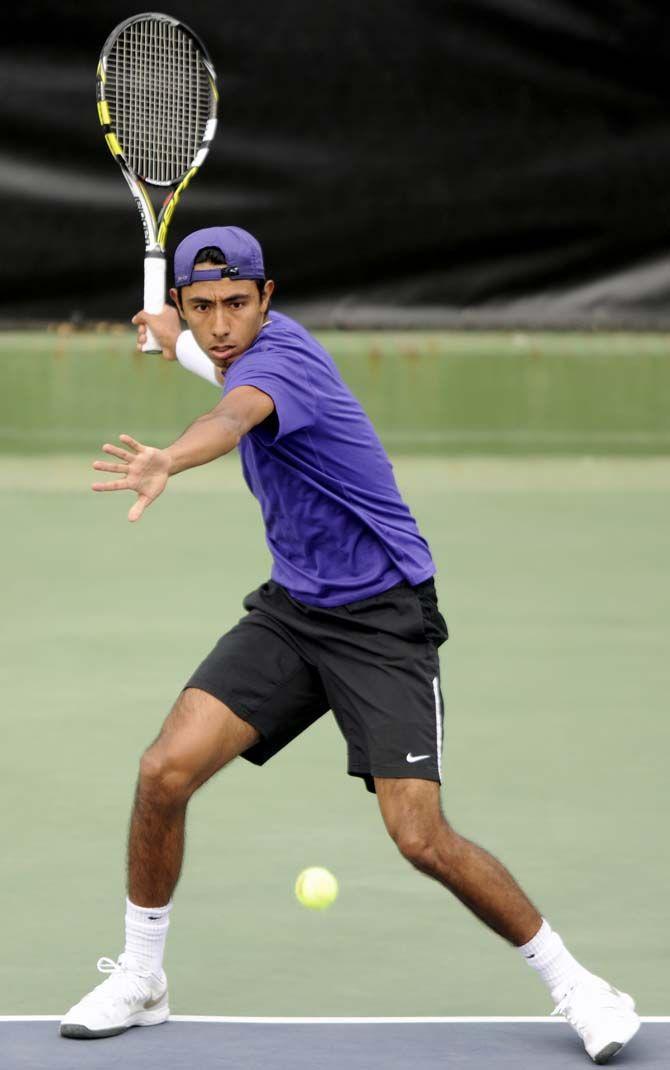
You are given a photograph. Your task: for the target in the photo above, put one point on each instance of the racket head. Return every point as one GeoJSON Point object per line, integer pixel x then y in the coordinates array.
{"type": "Point", "coordinates": [157, 98]}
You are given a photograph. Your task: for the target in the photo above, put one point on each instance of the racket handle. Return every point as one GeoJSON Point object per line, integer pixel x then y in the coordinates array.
{"type": "Point", "coordinates": [154, 296]}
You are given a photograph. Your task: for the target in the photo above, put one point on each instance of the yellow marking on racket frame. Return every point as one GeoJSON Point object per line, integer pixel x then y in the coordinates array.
{"type": "Point", "coordinates": [145, 197]}
{"type": "Point", "coordinates": [103, 112]}
{"type": "Point", "coordinates": [113, 143]}
{"type": "Point", "coordinates": [162, 230]}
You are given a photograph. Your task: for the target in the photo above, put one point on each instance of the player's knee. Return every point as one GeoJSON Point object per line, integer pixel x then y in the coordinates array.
{"type": "Point", "coordinates": [432, 847]}
{"type": "Point", "coordinates": [163, 779]}
{"type": "Point", "coordinates": [417, 845]}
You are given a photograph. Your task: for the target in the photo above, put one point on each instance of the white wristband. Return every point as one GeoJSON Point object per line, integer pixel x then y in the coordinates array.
{"type": "Point", "coordinates": [192, 357]}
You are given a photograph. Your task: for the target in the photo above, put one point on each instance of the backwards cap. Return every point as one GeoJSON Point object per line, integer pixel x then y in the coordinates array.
{"type": "Point", "coordinates": [241, 251]}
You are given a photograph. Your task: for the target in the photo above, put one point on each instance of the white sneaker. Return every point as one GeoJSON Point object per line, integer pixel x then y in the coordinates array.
{"type": "Point", "coordinates": [604, 1017]}
{"type": "Point", "coordinates": [126, 998]}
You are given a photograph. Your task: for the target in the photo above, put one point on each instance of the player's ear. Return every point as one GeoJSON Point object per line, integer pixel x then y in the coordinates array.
{"type": "Point", "coordinates": [174, 294]}
{"type": "Point", "coordinates": [268, 291]}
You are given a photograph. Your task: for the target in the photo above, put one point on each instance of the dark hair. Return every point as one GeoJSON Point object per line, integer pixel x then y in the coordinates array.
{"type": "Point", "coordinates": [212, 255]}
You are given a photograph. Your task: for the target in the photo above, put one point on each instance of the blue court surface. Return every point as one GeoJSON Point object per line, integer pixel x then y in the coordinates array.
{"type": "Point", "coordinates": [182, 1043]}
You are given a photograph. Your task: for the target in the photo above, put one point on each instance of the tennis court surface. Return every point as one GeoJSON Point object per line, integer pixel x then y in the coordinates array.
{"type": "Point", "coordinates": [326, 1043]}
{"type": "Point", "coordinates": [553, 576]}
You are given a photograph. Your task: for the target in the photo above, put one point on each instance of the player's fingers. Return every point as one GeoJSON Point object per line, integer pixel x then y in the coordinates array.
{"type": "Point", "coordinates": [116, 484]}
{"type": "Point", "coordinates": [132, 442]}
{"type": "Point", "coordinates": [138, 508]}
{"type": "Point", "coordinates": [118, 452]}
{"type": "Point", "coordinates": [105, 466]}
{"type": "Point", "coordinates": [139, 317]}
{"type": "Point", "coordinates": [153, 318]}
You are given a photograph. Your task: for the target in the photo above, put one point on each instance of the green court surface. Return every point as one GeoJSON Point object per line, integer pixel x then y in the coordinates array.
{"type": "Point", "coordinates": [553, 575]}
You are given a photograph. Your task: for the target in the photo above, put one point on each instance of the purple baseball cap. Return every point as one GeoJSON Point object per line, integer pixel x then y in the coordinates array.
{"type": "Point", "coordinates": [243, 255]}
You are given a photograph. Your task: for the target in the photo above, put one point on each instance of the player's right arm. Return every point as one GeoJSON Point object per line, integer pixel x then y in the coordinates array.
{"type": "Point", "coordinates": [146, 469]}
{"type": "Point", "coordinates": [176, 344]}
{"type": "Point", "coordinates": [165, 326]}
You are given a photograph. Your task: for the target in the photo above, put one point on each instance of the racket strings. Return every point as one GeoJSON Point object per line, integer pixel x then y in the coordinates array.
{"type": "Point", "coordinates": [160, 99]}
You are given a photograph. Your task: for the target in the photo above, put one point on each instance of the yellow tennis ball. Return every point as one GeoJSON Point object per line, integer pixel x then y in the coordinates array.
{"type": "Point", "coordinates": [316, 888]}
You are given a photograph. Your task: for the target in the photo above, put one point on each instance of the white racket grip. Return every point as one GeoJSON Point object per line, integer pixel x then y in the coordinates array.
{"type": "Point", "coordinates": [154, 296]}
{"type": "Point", "coordinates": [192, 357]}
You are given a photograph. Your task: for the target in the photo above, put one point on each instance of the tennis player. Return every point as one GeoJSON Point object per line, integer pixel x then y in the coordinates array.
{"type": "Point", "coordinates": [348, 622]}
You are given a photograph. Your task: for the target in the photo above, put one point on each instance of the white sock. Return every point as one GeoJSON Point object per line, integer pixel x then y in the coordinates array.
{"type": "Point", "coordinates": [547, 954]}
{"type": "Point", "coordinates": [146, 933]}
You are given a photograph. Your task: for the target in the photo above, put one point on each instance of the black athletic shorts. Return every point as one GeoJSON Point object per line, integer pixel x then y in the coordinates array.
{"type": "Point", "coordinates": [374, 663]}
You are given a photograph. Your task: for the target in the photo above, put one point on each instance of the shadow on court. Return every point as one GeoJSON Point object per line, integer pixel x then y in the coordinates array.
{"type": "Point", "coordinates": [257, 1045]}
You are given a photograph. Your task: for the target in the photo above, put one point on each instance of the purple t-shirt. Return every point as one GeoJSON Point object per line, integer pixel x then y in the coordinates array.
{"type": "Point", "coordinates": [336, 525]}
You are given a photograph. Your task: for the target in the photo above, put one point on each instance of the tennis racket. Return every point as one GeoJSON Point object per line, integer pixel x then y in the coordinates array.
{"type": "Point", "coordinates": [157, 101]}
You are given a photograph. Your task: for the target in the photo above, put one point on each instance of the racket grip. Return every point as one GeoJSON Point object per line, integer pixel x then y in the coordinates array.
{"type": "Point", "coordinates": [154, 296]}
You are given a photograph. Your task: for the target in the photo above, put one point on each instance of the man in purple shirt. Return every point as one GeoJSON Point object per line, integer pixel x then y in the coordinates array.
{"type": "Point", "coordinates": [348, 621]}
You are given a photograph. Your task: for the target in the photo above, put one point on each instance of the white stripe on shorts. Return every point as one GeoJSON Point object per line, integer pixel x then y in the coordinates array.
{"type": "Point", "coordinates": [438, 725]}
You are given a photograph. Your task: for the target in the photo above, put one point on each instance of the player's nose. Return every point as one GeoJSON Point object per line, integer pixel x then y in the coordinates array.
{"type": "Point", "coordinates": [221, 324]}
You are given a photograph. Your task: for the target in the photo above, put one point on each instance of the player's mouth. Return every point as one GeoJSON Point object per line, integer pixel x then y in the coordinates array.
{"type": "Point", "coordinates": [222, 355]}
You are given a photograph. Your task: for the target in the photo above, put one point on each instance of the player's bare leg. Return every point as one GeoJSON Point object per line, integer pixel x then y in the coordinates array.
{"type": "Point", "coordinates": [198, 738]}
{"type": "Point", "coordinates": [413, 816]}
{"type": "Point", "coordinates": [604, 1017]}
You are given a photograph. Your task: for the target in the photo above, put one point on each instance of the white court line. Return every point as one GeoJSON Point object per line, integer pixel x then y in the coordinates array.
{"type": "Point", "coordinates": [322, 1021]}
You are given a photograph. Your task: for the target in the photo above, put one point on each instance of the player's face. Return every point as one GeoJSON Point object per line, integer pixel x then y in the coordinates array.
{"type": "Point", "coordinates": [225, 315]}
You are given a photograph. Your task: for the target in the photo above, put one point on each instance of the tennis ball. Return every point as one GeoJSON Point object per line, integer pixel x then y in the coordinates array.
{"type": "Point", "coordinates": [316, 888]}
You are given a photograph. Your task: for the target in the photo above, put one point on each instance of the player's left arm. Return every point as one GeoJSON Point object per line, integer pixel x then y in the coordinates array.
{"type": "Point", "coordinates": [219, 431]}
{"type": "Point", "coordinates": [146, 469]}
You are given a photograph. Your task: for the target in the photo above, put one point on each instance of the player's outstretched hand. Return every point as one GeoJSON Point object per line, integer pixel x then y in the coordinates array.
{"type": "Point", "coordinates": [144, 469]}
{"type": "Point", "coordinates": [166, 328]}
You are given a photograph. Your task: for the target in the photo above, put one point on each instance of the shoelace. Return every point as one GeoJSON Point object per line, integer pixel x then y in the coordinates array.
{"type": "Point", "coordinates": [132, 980]}
{"type": "Point", "coordinates": [609, 1000]}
